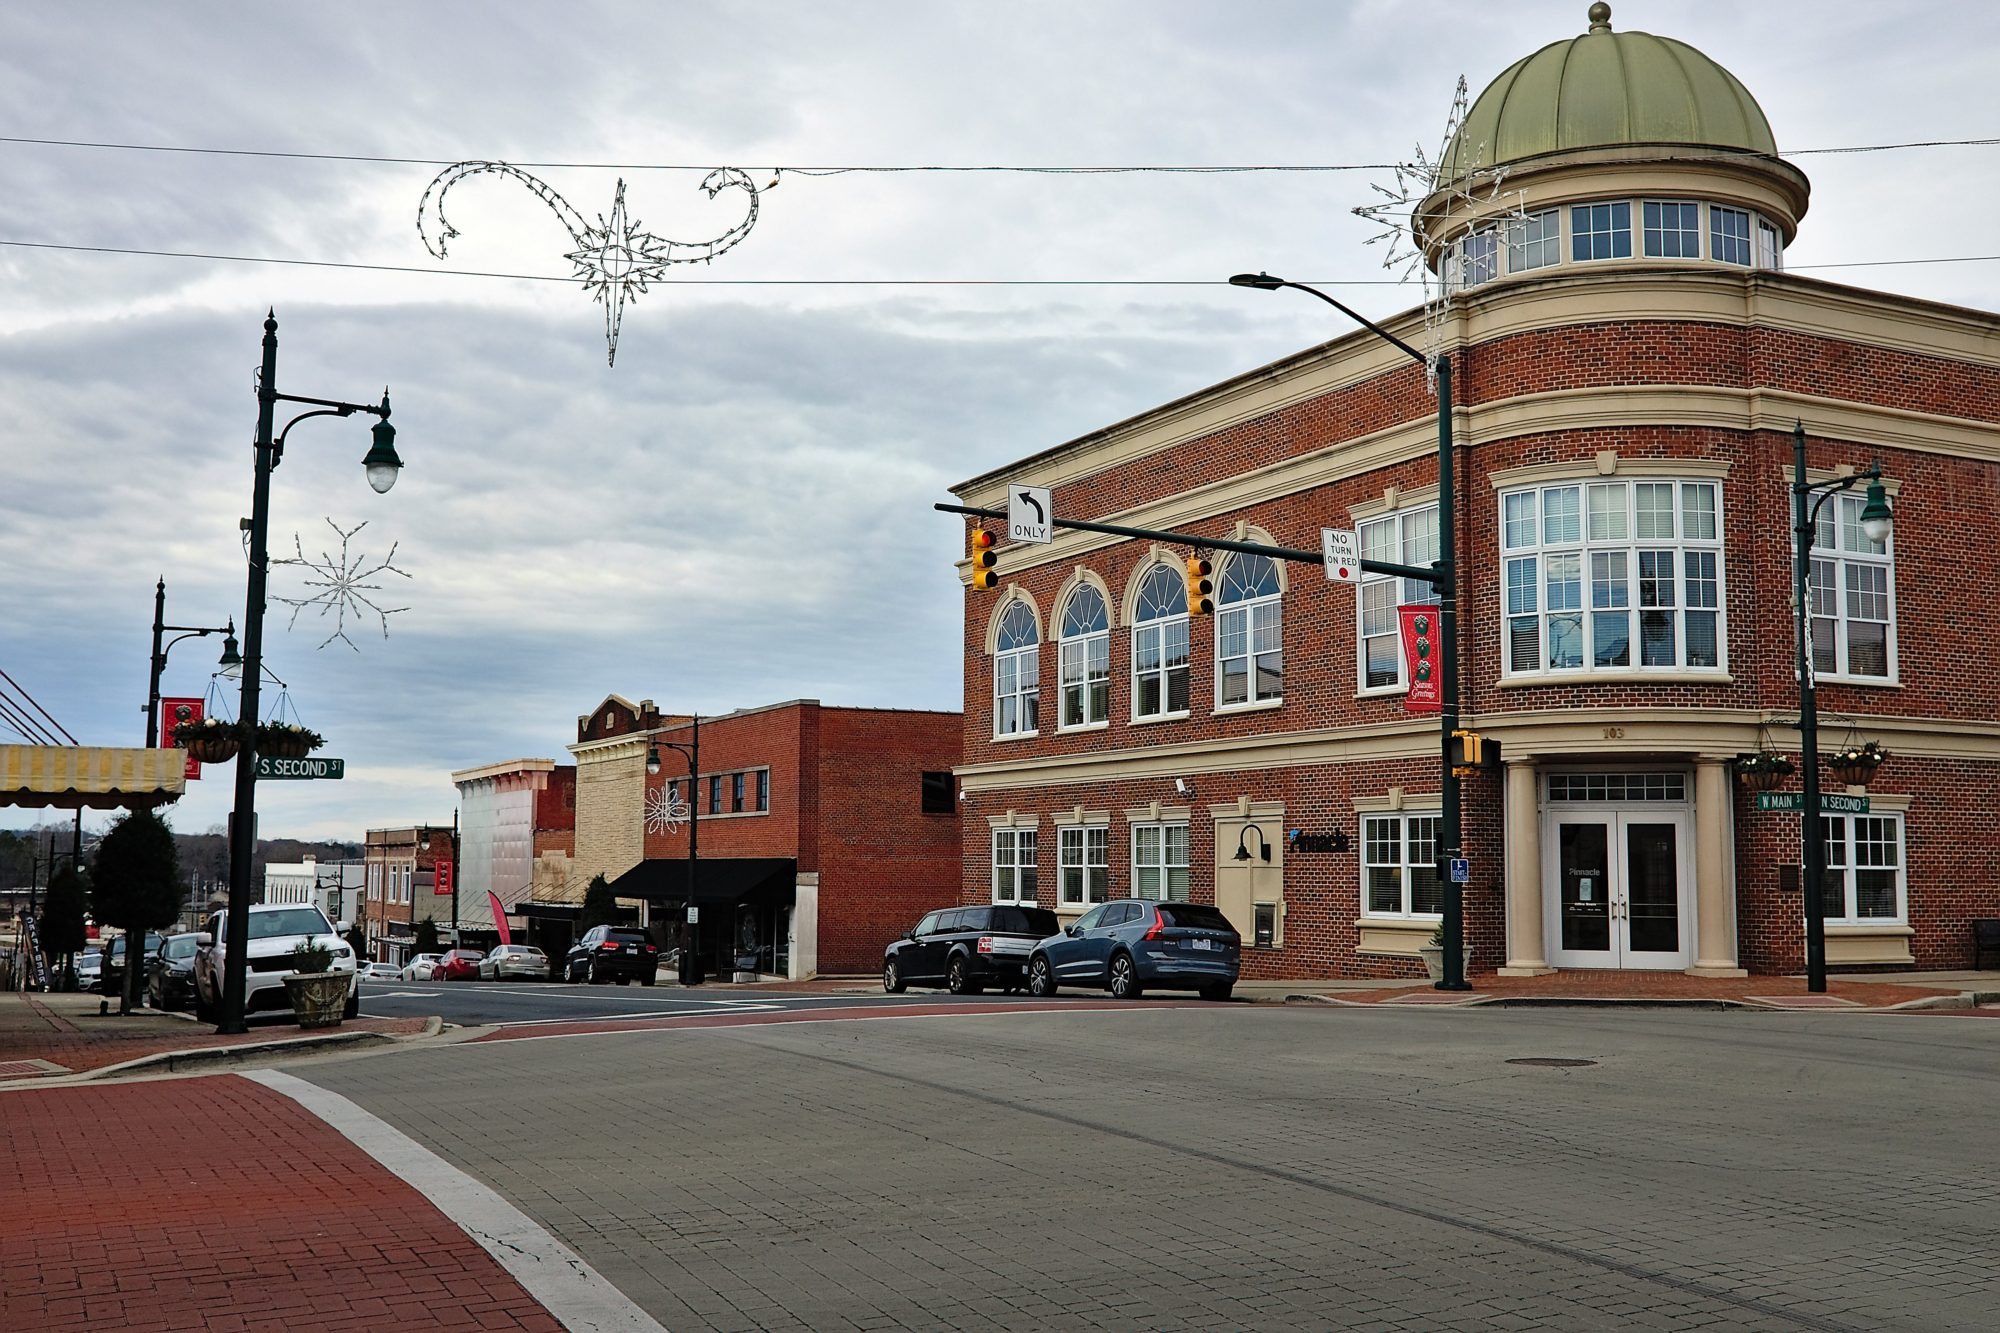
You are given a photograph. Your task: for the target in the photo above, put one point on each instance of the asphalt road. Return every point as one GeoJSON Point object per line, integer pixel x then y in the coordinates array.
{"type": "Point", "coordinates": [1243, 1167]}
{"type": "Point", "coordinates": [476, 1003]}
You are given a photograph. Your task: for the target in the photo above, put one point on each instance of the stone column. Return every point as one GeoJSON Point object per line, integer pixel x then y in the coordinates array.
{"type": "Point", "coordinates": [1526, 954]}
{"type": "Point", "coordinates": [1714, 905]}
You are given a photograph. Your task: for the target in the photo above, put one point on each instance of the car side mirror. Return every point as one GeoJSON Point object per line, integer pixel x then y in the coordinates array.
{"type": "Point", "coordinates": [1074, 930]}
{"type": "Point", "coordinates": [204, 940]}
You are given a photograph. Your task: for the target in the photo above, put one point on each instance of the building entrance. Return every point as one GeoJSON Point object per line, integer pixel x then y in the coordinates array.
{"type": "Point", "coordinates": [1616, 885]}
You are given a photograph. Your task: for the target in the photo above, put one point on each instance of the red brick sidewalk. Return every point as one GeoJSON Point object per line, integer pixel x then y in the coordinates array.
{"type": "Point", "coordinates": [240, 1211]}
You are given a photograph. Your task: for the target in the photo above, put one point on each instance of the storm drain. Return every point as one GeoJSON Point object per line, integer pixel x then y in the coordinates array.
{"type": "Point", "coordinates": [1550, 1062]}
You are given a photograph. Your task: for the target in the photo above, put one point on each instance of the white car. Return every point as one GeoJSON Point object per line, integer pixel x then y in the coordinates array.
{"type": "Point", "coordinates": [382, 971]}
{"type": "Point", "coordinates": [275, 930]}
{"type": "Point", "coordinates": [423, 967]}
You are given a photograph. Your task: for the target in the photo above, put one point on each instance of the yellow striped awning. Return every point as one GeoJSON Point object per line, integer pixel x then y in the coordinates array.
{"type": "Point", "coordinates": [99, 777]}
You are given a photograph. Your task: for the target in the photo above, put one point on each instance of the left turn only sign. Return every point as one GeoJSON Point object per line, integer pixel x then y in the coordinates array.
{"type": "Point", "coordinates": [1029, 512]}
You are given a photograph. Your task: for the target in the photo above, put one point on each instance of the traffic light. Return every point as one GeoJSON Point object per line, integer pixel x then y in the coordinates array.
{"type": "Point", "coordinates": [983, 559]}
{"type": "Point", "coordinates": [1471, 752]}
{"type": "Point", "coordinates": [1200, 588]}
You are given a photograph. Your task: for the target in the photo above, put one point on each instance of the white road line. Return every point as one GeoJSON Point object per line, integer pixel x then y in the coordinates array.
{"type": "Point", "coordinates": [554, 1274]}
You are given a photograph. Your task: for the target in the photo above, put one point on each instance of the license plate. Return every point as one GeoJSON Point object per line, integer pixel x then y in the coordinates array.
{"type": "Point", "coordinates": [631, 948]}
{"type": "Point", "coordinates": [1200, 944]}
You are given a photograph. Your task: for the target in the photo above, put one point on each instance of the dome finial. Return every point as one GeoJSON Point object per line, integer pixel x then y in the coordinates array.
{"type": "Point", "coordinates": [1600, 17]}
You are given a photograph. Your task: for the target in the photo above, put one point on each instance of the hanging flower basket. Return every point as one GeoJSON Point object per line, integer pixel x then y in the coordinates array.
{"type": "Point", "coordinates": [208, 741]}
{"type": "Point", "coordinates": [1854, 765]}
{"type": "Point", "coordinates": [1763, 770]}
{"type": "Point", "coordinates": [287, 740]}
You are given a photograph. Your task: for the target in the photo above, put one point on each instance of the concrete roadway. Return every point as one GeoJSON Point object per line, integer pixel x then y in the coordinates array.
{"type": "Point", "coordinates": [1254, 1167]}
{"type": "Point", "coordinates": [472, 1004]}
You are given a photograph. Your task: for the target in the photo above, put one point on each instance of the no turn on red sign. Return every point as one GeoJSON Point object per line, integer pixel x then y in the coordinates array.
{"type": "Point", "coordinates": [1342, 553]}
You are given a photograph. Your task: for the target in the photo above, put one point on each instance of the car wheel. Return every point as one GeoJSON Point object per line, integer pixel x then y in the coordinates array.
{"type": "Point", "coordinates": [955, 979]}
{"type": "Point", "coordinates": [202, 1008]}
{"type": "Point", "coordinates": [353, 1006]}
{"type": "Point", "coordinates": [892, 978]}
{"type": "Point", "coordinates": [1041, 977]}
{"type": "Point", "coordinates": [649, 979]}
{"type": "Point", "coordinates": [624, 981]}
{"type": "Point", "coordinates": [1215, 990]}
{"type": "Point", "coordinates": [590, 971]}
{"type": "Point", "coordinates": [1124, 983]}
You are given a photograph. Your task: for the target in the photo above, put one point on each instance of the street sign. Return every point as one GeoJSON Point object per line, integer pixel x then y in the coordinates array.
{"type": "Point", "coordinates": [1461, 870]}
{"type": "Point", "coordinates": [694, 915]}
{"type": "Point", "coordinates": [1028, 513]}
{"type": "Point", "coordinates": [1795, 801]}
{"type": "Point", "coordinates": [1342, 554]}
{"type": "Point", "coordinates": [269, 768]}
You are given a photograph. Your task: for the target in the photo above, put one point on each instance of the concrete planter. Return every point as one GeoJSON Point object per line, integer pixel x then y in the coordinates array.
{"type": "Point", "coordinates": [1433, 956]}
{"type": "Point", "coordinates": [318, 997]}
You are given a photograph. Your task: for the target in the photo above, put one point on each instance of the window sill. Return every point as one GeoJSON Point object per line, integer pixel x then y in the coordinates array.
{"type": "Point", "coordinates": [1381, 691]}
{"type": "Point", "coordinates": [1869, 942]}
{"type": "Point", "coordinates": [1871, 682]}
{"type": "Point", "coordinates": [1393, 937]}
{"type": "Point", "coordinates": [1083, 726]}
{"type": "Point", "coordinates": [730, 814]}
{"type": "Point", "coordinates": [1016, 736]}
{"type": "Point", "coordinates": [1260, 706]}
{"type": "Point", "coordinates": [1656, 675]}
{"type": "Point", "coordinates": [1154, 719]}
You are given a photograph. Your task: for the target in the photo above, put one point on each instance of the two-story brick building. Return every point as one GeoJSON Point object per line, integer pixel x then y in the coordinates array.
{"type": "Point", "coordinates": [1630, 359]}
{"type": "Point", "coordinates": [824, 832]}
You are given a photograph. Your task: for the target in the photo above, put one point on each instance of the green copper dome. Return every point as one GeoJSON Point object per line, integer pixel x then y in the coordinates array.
{"type": "Point", "coordinates": [1608, 89]}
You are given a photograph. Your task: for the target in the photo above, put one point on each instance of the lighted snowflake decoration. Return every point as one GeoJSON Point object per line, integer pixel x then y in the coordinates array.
{"type": "Point", "coordinates": [614, 257]}
{"type": "Point", "coordinates": [1467, 186]}
{"type": "Point", "coordinates": [665, 811]}
{"type": "Point", "coordinates": [344, 584]}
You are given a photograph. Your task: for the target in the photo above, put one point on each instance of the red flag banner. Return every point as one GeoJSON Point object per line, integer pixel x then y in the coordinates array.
{"type": "Point", "coordinates": [173, 712]}
{"type": "Point", "coordinates": [499, 917]}
{"type": "Point", "coordinates": [1421, 659]}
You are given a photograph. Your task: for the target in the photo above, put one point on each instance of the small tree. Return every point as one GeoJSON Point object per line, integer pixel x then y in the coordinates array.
{"type": "Point", "coordinates": [600, 905]}
{"type": "Point", "coordinates": [62, 913]}
{"type": "Point", "coordinates": [425, 938]}
{"type": "Point", "coordinates": [136, 885]}
{"type": "Point", "coordinates": [357, 934]}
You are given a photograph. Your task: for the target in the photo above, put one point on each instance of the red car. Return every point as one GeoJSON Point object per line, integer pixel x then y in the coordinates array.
{"type": "Point", "coordinates": [458, 965]}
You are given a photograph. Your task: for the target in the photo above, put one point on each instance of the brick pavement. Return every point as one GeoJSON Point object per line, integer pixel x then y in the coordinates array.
{"type": "Point", "coordinates": [238, 1211]}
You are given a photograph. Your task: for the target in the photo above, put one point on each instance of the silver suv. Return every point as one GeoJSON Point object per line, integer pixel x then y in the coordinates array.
{"type": "Point", "coordinates": [275, 930]}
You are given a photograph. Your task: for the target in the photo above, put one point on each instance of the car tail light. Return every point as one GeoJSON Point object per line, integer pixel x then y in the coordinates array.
{"type": "Point", "coordinates": [986, 944]}
{"type": "Point", "coordinates": [1158, 928]}
{"type": "Point", "coordinates": [652, 948]}
{"type": "Point", "coordinates": [609, 944]}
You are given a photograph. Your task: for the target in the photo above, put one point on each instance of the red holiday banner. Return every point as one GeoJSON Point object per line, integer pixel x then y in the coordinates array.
{"type": "Point", "coordinates": [173, 712]}
{"type": "Point", "coordinates": [1421, 660]}
{"type": "Point", "coordinates": [441, 879]}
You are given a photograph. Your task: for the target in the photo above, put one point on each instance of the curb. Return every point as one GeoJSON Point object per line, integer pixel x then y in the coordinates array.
{"type": "Point", "coordinates": [176, 1061]}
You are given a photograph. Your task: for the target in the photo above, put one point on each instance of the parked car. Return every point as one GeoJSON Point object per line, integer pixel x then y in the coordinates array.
{"type": "Point", "coordinates": [458, 965]}
{"type": "Point", "coordinates": [967, 949]}
{"type": "Point", "coordinates": [518, 961]}
{"type": "Point", "coordinates": [111, 974]}
{"type": "Point", "coordinates": [275, 930]}
{"type": "Point", "coordinates": [382, 971]}
{"type": "Point", "coordinates": [423, 967]}
{"type": "Point", "coordinates": [170, 973]}
{"type": "Point", "coordinates": [1127, 946]}
{"type": "Point", "coordinates": [89, 970]}
{"type": "Point", "coordinates": [612, 953]}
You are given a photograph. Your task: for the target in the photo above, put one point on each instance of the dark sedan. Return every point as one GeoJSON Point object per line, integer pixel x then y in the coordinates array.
{"type": "Point", "coordinates": [966, 949]}
{"type": "Point", "coordinates": [1125, 947]}
{"type": "Point", "coordinates": [170, 973]}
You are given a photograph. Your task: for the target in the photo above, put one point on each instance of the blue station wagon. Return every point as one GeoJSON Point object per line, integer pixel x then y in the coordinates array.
{"type": "Point", "coordinates": [1126, 947]}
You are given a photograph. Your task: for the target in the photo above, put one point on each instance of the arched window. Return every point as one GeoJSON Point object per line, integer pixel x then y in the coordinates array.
{"type": "Point", "coordinates": [1160, 645]}
{"type": "Point", "coordinates": [1016, 672]}
{"type": "Point", "coordinates": [1084, 658]}
{"type": "Point", "coordinates": [1249, 647]}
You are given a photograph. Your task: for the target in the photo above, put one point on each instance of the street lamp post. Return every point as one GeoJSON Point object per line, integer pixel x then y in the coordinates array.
{"type": "Point", "coordinates": [692, 753]}
{"type": "Point", "coordinates": [1876, 521]}
{"type": "Point", "coordinates": [382, 464]}
{"type": "Point", "coordinates": [1444, 579]}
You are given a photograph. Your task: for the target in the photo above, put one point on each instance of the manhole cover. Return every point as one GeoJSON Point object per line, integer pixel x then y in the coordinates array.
{"type": "Point", "coordinates": [1550, 1062]}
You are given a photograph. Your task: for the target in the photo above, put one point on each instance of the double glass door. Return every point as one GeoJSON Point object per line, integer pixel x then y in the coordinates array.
{"type": "Point", "coordinates": [1619, 891]}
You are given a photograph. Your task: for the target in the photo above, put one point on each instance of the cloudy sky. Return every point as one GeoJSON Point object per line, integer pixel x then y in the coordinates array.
{"type": "Point", "coordinates": [738, 512]}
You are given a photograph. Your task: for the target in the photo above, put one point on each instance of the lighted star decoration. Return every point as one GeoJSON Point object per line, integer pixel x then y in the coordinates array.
{"type": "Point", "coordinates": [1466, 185]}
{"type": "Point", "coordinates": [343, 584]}
{"type": "Point", "coordinates": [665, 811]}
{"type": "Point", "coordinates": [615, 257]}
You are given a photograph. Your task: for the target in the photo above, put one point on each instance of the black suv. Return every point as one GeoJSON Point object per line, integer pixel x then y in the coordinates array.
{"type": "Point", "coordinates": [967, 949]}
{"type": "Point", "coordinates": [111, 976]}
{"type": "Point", "coordinates": [612, 953]}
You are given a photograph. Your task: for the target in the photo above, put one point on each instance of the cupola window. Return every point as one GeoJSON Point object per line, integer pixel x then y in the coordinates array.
{"type": "Point", "coordinates": [1729, 235]}
{"type": "Point", "coordinates": [1673, 229]}
{"type": "Point", "coordinates": [1601, 231]}
{"type": "Point", "coordinates": [1534, 241]}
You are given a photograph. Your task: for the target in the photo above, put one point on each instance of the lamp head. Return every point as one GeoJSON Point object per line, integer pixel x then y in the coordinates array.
{"type": "Point", "coordinates": [1876, 519]}
{"type": "Point", "coordinates": [382, 461]}
{"type": "Point", "coordinates": [230, 664]}
{"type": "Point", "coordinates": [653, 759]}
{"type": "Point", "coordinates": [1263, 282]}
{"type": "Point", "coordinates": [1242, 852]}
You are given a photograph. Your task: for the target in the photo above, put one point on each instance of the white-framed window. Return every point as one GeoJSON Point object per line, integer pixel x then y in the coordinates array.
{"type": "Point", "coordinates": [1770, 246]}
{"type": "Point", "coordinates": [1534, 241]}
{"type": "Point", "coordinates": [1673, 228]}
{"type": "Point", "coordinates": [1864, 869]}
{"type": "Point", "coordinates": [1478, 257]}
{"type": "Point", "coordinates": [1083, 864]}
{"type": "Point", "coordinates": [1016, 673]}
{"type": "Point", "coordinates": [1083, 656]}
{"type": "Point", "coordinates": [1399, 866]}
{"type": "Point", "coordinates": [1160, 862]}
{"type": "Point", "coordinates": [375, 883]}
{"type": "Point", "coordinates": [1600, 231]}
{"type": "Point", "coordinates": [1853, 596]}
{"type": "Point", "coordinates": [1729, 235]}
{"type": "Point", "coordinates": [1160, 645]}
{"type": "Point", "coordinates": [1612, 576]}
{"type": "Point", "coordinates": [1013, 865]}
{"type": "Point", "coordinates": [1407, 537]}
{"type": "Point", "coordinates": [1249, 638]}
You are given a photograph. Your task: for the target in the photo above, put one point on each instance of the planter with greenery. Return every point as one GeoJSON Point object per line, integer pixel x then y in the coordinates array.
{"type": "Point", "coordinates": [1762, 770]}
{"type": "Point", "coordinates": [208, 740]}
{"type": "Point", "coordinates": [1433, 955]}
{"type": "Point", "coordinates": [318, 995]}
{"type": "Point", "coordinates": [1855, 764]}
{"type": "Point", "coordinates": [287, 740]}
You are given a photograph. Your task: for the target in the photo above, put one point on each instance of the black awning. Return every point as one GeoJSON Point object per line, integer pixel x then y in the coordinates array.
{"type": "Point", "coordinates": [717, 880]}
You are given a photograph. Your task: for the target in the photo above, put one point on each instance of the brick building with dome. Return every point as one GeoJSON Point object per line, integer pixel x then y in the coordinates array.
{"type": "Point", "coordinates": [1630, 359]}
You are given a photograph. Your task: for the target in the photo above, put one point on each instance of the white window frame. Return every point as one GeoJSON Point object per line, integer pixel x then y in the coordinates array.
{"type": "Point", "coordinates": [1770, 245]}
{"type": "Point", "coordinates": [1083, 664]}
{"type": "Point", "coordinates": [1612, 231]}
{"type": "Point", "coordinates": [1400, 538]}
{"type": "Point", "coordinates": [1257, 614]}
{"type": "Point", "coordinates": [1158, 861]}
{"type": "Point", "coordinates": [1694, 554]}
{"type": "Point", "coordinates": [1842, 550]}
{"type": "Point", "coordinates": [1841, 850]}
{"type": "Point", "coordinates": [1647, 229]}
{"type": "Point", "coordinates": [1478, 256]}
{"type": "Point", "coordinates": [1539, 233]}
{"type": "Point", "coordinates": [1153, 634]}
{"type": "Point", "coordinates": [1023, 664]}
{"type": "Point", "coordinates": [1014, 867]}
{"type": "Point", "coordinates": [1083, 865]}
{"type": "Point", "coordinates": [1717, 241]}
{"type": "Point", "coordinates": [1401, 860]}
